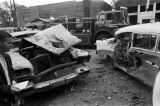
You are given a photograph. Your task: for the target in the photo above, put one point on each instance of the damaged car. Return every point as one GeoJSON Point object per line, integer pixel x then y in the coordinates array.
{"type": "Point", "coordinates": [48, 60]}
{"type": "Point", "coordinates": [135, 50]}
{"type": "Point", "coordinates": [18, 36]}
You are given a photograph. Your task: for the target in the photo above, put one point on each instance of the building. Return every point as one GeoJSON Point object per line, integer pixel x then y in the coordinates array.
{"type": "Point", "coordinates": [38, 23]}
{"type": "Point", "coordinates": [137, 10]}
{"type": "Point", "coordinates": [71, 9]}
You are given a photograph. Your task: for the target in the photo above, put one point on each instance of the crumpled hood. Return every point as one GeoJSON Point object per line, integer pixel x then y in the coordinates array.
{"type": "Point", "coordinates": [19, 62]}
{"type": "Point", "coordinates": [55, 39]}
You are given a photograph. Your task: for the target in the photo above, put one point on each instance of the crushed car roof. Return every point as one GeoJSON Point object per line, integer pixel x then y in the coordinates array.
{"type": "Point", "coordinates": [57, 34]}
{"type": "Point", "coordinates": [141, 28]}
{"type": "Point", "coordinates": [15, 34]}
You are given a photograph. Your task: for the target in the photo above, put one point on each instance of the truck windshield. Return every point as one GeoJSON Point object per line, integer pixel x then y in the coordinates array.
{"type": "Point", "coordinates": [115, 18]}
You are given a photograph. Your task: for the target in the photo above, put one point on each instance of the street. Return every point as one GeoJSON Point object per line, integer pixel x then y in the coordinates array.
{"type": "Point", "coordinates": [102, 87]}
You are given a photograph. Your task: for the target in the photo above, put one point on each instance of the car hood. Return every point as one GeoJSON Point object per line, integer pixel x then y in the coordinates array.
{"type": "Point", "coordinates": [55, 39]}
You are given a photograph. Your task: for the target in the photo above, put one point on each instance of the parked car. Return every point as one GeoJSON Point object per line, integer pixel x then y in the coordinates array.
{"type": "Point", "coordinates": [18, 36]}
{"type": "Point", "coordinates": [9, 29]}
{"type": "Point", "coordinates": [47, 60]}
{"type": "Point", "coordinates": [135, 50]}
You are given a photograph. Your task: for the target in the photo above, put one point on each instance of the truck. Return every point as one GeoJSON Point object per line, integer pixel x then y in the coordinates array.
{"type": "Point", "coordinates": [102, 27]}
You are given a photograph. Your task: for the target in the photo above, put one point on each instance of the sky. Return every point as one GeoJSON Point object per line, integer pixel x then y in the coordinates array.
{"type": "Point", "coordinates": [29, 3]}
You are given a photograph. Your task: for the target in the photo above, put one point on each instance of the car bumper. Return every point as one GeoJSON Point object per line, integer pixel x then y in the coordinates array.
{"type": "Point", "coordinates": [80, 72]}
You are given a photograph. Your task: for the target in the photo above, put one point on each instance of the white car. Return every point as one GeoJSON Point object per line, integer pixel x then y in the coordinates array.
{"type": "Point", "coordinates": [135, 50]}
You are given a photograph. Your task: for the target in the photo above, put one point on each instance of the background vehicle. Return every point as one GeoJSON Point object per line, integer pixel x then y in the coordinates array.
{"type": "Point", "coordinates": [18, 36]}
{"type": "Point", "coordinates": [135, 50]}
{"type": "Point", "coordinates": [9, 29]}
{"type": "Point", "coordinates": [90, 29]}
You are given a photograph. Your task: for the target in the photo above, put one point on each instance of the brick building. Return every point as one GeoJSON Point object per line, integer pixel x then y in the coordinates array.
{"type": "Point", "coordinates": [138, 13]}
{"type": "Point", "coordinates": [71, 9]}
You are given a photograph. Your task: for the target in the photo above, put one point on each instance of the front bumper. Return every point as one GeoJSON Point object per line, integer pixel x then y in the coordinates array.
{"type": "Point", "coordinates": [81, 71]}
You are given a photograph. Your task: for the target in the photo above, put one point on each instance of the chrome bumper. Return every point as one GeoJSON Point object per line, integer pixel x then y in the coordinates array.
{"type": "Point", "coordinates": [81, 71]}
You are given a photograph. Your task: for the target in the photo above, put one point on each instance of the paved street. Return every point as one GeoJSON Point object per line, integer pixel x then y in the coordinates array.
{"type": "Point", "coordinates": [102, 87]}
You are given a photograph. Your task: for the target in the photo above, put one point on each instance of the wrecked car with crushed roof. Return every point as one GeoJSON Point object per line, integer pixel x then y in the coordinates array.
{"type": "Point", "coordinates": [48, 60]}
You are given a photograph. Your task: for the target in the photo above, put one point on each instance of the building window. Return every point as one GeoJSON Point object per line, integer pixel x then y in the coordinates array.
{"type": "Point", "coordinates": [133, 19]}
{"type": "Point", "coordinates": [133, 9]}
{"type": "Point", "coordinates": [157, 17]}
{"type": "Point", "coordinates": [146, 21]}
{"type": "Point", "coordinates": [149, 41]}
{"type": "Point", "coordinates": [143, 8]}
{"type": "Point", "coordinates": [158, 6]}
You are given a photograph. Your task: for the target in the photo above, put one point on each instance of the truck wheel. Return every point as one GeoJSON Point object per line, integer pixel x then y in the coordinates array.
{"type": "Point", "coordinates": [102, 37]}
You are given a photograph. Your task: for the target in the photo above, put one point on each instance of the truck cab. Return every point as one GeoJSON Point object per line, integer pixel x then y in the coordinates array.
{"type": "Point", "coordinates": [108, 22]}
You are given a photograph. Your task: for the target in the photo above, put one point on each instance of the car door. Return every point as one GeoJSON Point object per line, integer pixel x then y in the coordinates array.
{"type": "Point", "coordinates": [145, 57]}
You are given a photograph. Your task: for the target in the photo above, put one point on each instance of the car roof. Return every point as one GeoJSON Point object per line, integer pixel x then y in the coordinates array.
{"type": "Point", "coordinates": [55, 34]}
{"type": "Point", "coordinates": [149, 28]}
{"type": "Point", "coordinates": [15, 34]}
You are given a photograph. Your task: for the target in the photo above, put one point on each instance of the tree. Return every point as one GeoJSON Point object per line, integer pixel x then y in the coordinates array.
{"type": "Point", "coordinates": [5, 15]}
{"type": "Point", "coordinates": [8, 14]}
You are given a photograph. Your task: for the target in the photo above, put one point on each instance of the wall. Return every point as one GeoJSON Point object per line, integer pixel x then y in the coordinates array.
{"type": "Point", "coordinates": [71, 9]}
{"type": "Point", "coordinates": [137, 10]}
{"type": "Point", "coordinates": [134, 2]}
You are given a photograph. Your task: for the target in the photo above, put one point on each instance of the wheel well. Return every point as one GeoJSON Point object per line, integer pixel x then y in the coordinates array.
{"type": "Point", "coordinates": [101, 33]}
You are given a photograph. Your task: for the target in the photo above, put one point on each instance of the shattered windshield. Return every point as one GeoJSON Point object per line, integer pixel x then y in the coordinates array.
{"type": "Point", "coordinates": [115, 18]}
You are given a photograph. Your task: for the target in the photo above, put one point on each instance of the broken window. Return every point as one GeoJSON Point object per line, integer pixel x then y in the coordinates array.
{"type": "Point", "coordinates": [145, 41]}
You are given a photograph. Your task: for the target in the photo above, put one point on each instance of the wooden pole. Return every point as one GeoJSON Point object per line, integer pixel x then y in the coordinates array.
{"type": "Point", "coordinates": [15, 16]}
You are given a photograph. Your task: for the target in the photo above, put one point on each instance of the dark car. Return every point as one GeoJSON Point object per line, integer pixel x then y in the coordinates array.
{"type": "Point", "coordinates": [18, 36]}
{"type": "Point", "coordinates": [48, 60]}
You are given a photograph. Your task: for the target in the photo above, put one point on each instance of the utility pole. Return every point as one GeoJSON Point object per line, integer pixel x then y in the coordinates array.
{"type": "Point", "coordinates": [76, 8]}
{"type": "Point", "coordinates": [11, 10]}
{"type": "Point", "coordinates": [15, 16]}
{"type": "Point", "coordinates": [11, 6]}
{"type": "Point", "coordinates": [86, 7]}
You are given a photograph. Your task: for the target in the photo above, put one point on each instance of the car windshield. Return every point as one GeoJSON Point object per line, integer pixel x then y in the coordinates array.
{"type": "Point", "coordinates": [115, 17]}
